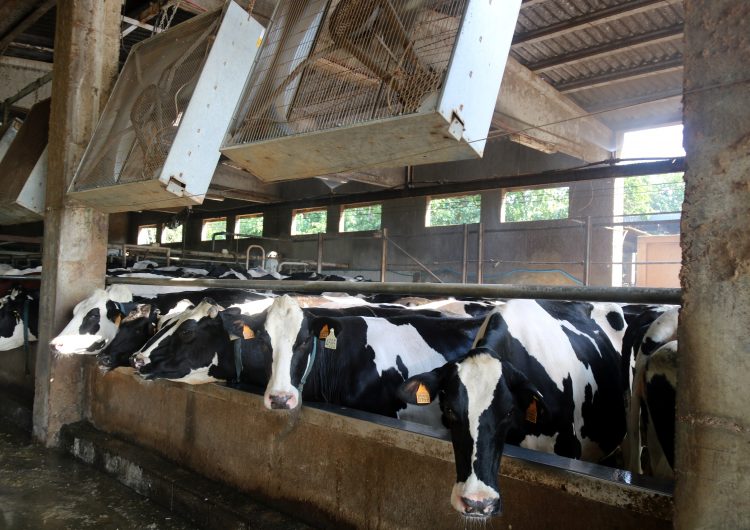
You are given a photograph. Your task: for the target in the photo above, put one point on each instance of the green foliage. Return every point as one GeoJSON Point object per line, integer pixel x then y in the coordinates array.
{"type": "Point", "coordinates": [146, 235]}
{"type": "Point", "coordinates": [171, 235]}
{"type": "Point", "coordinates": [653, 194]}
{"type": "Point", "coordinates": [361, 218]}
{"type": "Point", "coordinates": [465, 209]}
{"type": "Point", "coordinates": [536, 205]}
{"type": "Point", "coordinates": [251, 225]}
{"type": "Point", "coordinates": [309, 222]}
{"type": "Point", "coordinates": [212, 227]}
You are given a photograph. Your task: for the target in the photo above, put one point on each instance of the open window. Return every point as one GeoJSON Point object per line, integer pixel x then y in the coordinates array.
{"type": "Point", "coordinates": [248, 225]}
{"type": "Point", "coordinates": [309, 221]}
{"type": "Point", "coordinates": [360, 217]}
{"type": "Point", "coordinates": [147, 234]}
{"type": "Point", "coordinates": [214, 226]}
{"type": "Point", "coordinates": [537, 204]}
{"type": "Point", "coordinates": [453, 210]}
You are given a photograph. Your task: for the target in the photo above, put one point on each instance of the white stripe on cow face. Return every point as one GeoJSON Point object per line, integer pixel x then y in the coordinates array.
{"type": "Point", "coordinates": [283, 323]}
{"type": "Point", "coordinates": [71, 341]}
{"type": "Point", "coordinates": [480, 375]}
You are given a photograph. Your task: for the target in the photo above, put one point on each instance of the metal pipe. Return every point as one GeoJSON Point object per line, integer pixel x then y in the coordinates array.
{"type": "Point", "coordinates": [383, 254]}
{"type": "Point", "coordinates": [464, 261]}
{"type": "Point", "coordinates": [320, 253]}
{"type": "Point", "coordinates": [646, 295]}
{"type": "Point", "coordinates": [587, 253]}
{"type": "Point", "coordinates": [480, 254]}
{"type": "Point", "coordinates": [262, 256]}
{"type": "Point", "coordinates": [415, 260]}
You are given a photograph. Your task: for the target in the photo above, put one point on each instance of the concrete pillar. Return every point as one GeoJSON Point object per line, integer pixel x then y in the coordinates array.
{"type": "Point", "coordinates": [75, 240]}
{"type": "Point", "coordinates": [713, 418]}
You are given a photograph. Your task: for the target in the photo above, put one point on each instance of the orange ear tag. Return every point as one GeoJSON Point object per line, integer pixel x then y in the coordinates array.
{"type": "Point", "coordinates": [423, 395]}
{"type": "Point", "coordinates": [247, 333]}
{"type": "Point", "coordinates": [324, 331]}
{"type": "Point", "coordinates": [531, 412]}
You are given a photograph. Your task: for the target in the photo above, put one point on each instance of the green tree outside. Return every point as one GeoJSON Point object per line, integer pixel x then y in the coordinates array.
{"type": "Point", "coordinates": [465, 209]}
{"type": "Point", "coordinates": [536, 204]}
{"type": "Point", "coordinates": [361, 218]}
{"type": "Point", "coordinates": [309, 222]}
{"type": "Point", "coordinates": [212, 227]}
{"type": "Point", "coordinates": [250, 225]}
{"type": "Point", "coordinates": [649, 194]}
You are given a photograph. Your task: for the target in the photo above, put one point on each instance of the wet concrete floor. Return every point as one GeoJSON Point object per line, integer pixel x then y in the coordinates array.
{"type": "Point", "coordinates": [46, 489]}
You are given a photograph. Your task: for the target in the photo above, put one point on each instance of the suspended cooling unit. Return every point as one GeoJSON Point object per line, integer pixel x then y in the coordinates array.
{"type": "Point", "coordinates": [157, 142]}
{"type": "Point", "coordinates": [346, 84]}
{"type": "Point", "coordinates": [23, 167]}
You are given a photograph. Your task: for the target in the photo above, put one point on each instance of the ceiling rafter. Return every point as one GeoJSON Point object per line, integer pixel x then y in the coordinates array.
{"type": "Point", "coordinates": [599, 16]}
{"type": "Point", "coordinates": [658, 36]}
{"type": "Point", "coordinates": [669, 65]}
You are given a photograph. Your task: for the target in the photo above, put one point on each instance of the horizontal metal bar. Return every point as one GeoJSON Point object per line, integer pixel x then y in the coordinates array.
{"type": "Point", "coordinates": [648, 295]}
{"type": "Point", "coordinates": [16, 277]}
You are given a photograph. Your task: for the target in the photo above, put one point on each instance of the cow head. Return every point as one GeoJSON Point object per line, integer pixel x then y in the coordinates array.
{"type": "Point", "coordinates": [482, 398]}
{"type": "Point", "coordinates": [185, 347]}
{"type": "Point", "coordinates": [95, 322]}
{"type": "Point", "coordinates": [284, 331]}
{"type": "Point", "coordinates": [135, 329]}
{"type": "Point", "coordinates": [12, 315]}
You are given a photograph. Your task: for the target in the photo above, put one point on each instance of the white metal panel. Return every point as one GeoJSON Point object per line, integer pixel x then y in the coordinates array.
{"type": "Point", "coordinates": [479, 57]}
{"type": "Point", "coordinates": [8, 136]}
{"type": "Point", "coordinates": [33, 194]}
{"type": "Point", "coordinates": [195, 151]}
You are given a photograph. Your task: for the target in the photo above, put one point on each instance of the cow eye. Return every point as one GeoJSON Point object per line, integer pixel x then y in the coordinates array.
{"type": "Point", "coordinates": [451, 415]}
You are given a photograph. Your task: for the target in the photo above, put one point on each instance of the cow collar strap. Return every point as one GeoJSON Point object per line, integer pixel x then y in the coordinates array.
{"type": "Point", "coordinates": [238, 358]}
{"type": "Point", "coordinates": [310, 363]}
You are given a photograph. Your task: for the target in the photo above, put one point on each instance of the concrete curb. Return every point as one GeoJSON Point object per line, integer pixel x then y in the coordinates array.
{"type": "Point", "coordinates": [204, 502]}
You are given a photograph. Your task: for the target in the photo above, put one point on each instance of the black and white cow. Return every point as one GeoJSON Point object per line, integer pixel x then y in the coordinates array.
{"type": "Point", "coordinates": [541, 374]}
{"type": "Point", "coordinates": [357, 356]}
{"type": "Point", "coordinates": [19, 318]}
{"type": "Point", "coordinates": [96, 321]}
{"type": "Point", "coordinates": [651, 416]}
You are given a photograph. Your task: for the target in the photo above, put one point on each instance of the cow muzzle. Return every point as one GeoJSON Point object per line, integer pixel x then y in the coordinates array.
{"type": "Point", "coordinates": [480, 507]}
{"type": "Point", "coordinates": [138, 361]}
{"type": "Point", "coordinates": [281, 401]}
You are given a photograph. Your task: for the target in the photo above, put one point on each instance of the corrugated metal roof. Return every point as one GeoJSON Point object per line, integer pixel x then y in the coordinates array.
{"type": "Point", "coordinates": [604, 54]}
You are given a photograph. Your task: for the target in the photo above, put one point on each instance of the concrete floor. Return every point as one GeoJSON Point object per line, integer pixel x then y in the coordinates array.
{"type": "Point", "coordinates": [45, 489]}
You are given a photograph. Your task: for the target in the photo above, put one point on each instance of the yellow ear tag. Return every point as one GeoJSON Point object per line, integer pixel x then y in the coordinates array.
{"type": "Point", "coordinates": [423, 395]}
{"type": "Point", "coordinates": [324, 331]}
{"type": "Point", "coordinates": [118, 319]}
{"type": "Point", "coordinates": [331, 340]}
{"type": "Point", "coordinates": [247, 333]}
{"type": "Point", "coordinates": [258, 42]}
{"type": "Point", "coordinates": [531, 412]}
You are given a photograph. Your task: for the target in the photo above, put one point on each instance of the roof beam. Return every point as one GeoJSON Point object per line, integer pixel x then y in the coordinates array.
{"type": "Point", "coordinates": [262, 8]}
{"type": "Point", "coordinates": [533, 113]}
{"type": "Point", "coordinates": [234, 183]}
{"type": "Point", "coordinates": [25, 24]}
{"type": "Point", "coordinates": [658, 36]}
{"type": "Point", "coordinates": [383, 177]}
{"type": "Point", "coordinates": [600, 16]}
{"type": "Point", "coordinates": [607, 78]}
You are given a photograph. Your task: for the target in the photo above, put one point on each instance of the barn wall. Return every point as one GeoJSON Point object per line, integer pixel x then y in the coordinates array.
{"type": "Point", "coordinates": [713, 424]}
{"type": "Point", "coordinates": [334, 469]}
{"type": "Point", "coordinates": [508, 245]}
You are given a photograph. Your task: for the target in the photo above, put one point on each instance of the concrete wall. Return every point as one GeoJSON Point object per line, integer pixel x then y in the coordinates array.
{"type": "Point", "coordinates": [713, 416]}
{"type": "Point", "coordinates": [508, 247]}
{"type": "Point", "coordinates": [331, 469]}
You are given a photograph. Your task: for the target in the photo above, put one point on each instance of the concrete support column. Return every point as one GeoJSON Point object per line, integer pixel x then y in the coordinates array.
{"type": "Point", "coordinates": [75, 240]}
{"type": "Point", "coordinates": [713, 419]}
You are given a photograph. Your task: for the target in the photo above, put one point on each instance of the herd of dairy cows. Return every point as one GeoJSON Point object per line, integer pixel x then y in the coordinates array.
{"type": "Point", "coordinates": [570, 378]}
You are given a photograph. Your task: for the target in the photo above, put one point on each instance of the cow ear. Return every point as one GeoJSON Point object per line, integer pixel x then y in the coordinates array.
{"type": "Point", "coordinates": [422, 389]}
{"type": "Point", "coordinates": [526, 394]}
{"type": "Point", "coordinates": [321, 327]}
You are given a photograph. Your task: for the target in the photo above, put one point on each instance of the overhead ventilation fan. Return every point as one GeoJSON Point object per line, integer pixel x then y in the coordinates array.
{"type": "Point", "coordinates": [157, 142]}
{"type": "Point", "coordinates": [23, 167]}
{"type": "Point", "coordinates": [340, 85]}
